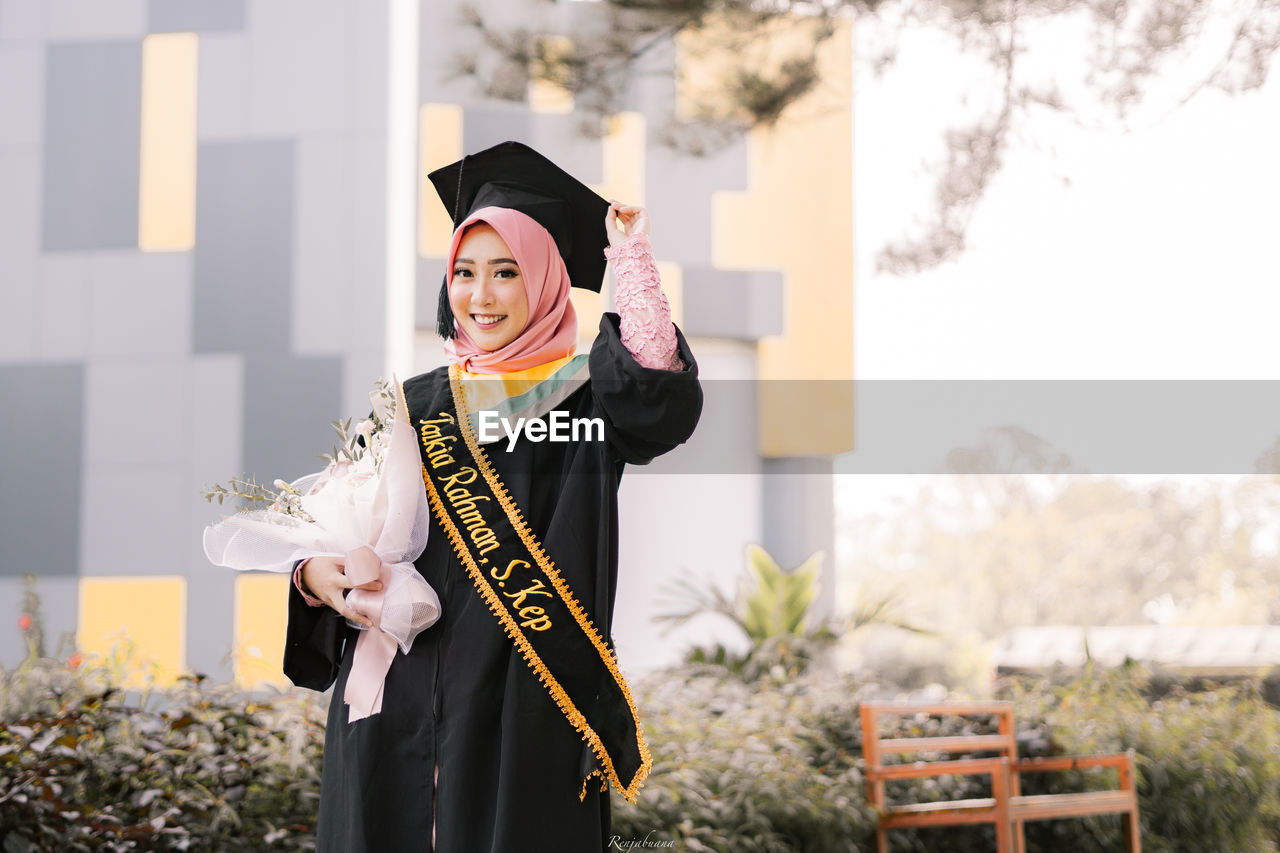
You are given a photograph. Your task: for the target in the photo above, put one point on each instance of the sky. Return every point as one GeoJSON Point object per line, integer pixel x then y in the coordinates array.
{"type": "Point", "coordinates": [1107, 252]}
{"type": "Point", "coordinates": [1143, 253]}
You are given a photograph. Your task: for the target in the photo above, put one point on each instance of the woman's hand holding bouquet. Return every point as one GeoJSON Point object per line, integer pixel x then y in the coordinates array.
{"type": "Point", "coordinates": [361, 522]}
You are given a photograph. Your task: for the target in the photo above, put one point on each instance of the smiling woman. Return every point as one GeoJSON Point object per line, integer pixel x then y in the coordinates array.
{"type": "Point", "coordinates": [505, 723]}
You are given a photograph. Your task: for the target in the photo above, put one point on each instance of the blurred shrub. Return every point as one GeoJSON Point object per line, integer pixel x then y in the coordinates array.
{"type": "Point", "coordinates": [776, 766]}
{"type": "Point", "coordinates": [1208, 761]}
{"type": "Point", "coordinates": [84, 766]}
{"type": "Point", "coordinates": [765, 766]}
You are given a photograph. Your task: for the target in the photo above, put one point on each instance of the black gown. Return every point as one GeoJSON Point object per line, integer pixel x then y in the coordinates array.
{"type": "Point", "coordinates": [510, 764]}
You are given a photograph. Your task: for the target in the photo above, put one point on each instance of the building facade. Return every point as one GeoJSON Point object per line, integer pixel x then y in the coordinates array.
{"type": "Point", "coordinates": [217, 232]}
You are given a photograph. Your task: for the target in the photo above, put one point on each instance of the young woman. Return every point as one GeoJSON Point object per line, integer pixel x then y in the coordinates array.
{"type": "Point", "coordinates": [504, 725]}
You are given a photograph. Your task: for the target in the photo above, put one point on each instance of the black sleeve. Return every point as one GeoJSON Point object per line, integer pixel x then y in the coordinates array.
{"type": "Point", "coordinates": [313, 642]}
{"type": "Point", "coordinates": [646, 411]}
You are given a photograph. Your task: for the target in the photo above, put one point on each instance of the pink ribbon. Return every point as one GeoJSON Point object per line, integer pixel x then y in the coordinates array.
{"type": "Point", "coordinates": [375, 649]}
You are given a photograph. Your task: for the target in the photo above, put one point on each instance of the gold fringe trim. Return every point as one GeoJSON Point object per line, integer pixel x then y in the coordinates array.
{"type": "Point", "coordinates": [607, 654]}
{"type": "Point", "coordinates": [604, 784]}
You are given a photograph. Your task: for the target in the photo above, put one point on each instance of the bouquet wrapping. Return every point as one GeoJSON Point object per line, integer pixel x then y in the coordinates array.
{"type": "Point", "coordinates": [372, 511]}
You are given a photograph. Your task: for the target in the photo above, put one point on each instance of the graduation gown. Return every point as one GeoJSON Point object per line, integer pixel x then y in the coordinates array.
{"type": "Point", "coordinates": [464, 701]}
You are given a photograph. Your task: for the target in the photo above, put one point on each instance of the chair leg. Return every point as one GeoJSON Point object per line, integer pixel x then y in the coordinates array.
{"type": "Point", "coordinates": [1019, 837]}
{"type": "Point", "coordinates": [1004, 833]}
{"type": "Point", "coordinates": [882, 840]}
{"type": "Point", "coordinates": [1132, 832]}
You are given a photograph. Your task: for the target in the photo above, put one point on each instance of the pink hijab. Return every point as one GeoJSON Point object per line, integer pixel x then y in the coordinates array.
{"type": "Point", "coordinates": [552, 330]}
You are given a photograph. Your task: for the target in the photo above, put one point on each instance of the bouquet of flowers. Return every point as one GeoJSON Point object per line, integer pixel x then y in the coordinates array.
{"type": "Point", "coordinates": [368, 506]}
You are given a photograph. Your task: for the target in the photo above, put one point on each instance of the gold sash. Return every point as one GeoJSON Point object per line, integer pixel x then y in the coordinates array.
{"type": "Point", "coordinates": [532, 602]}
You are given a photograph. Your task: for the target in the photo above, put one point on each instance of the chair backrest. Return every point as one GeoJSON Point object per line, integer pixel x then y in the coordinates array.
{"type": "Point", "coordinates": [875, 747]}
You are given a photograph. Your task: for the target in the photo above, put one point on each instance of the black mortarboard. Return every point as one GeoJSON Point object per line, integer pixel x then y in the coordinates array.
{"type": "Point", "coordinates": [514, 175]}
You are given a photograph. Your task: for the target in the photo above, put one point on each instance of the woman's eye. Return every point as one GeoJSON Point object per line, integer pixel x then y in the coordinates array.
{"type": "Point", "coordinates": [507, 272]}
{"type": "Point", "coordinates": [460, 272]}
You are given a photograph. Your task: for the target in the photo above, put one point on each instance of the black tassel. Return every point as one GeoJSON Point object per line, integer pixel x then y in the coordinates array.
{"type": "Point", "coordinates": [445, 327]}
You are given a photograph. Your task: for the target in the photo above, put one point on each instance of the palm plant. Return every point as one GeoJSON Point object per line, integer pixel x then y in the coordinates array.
{"type": "Point", "coordinates": [772, 607]}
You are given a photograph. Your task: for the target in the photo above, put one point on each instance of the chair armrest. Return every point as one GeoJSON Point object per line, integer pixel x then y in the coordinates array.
{"type": "Point", "coordinates": [1118, 760]}
{"type": "Point", "coordinates": [922, 769]}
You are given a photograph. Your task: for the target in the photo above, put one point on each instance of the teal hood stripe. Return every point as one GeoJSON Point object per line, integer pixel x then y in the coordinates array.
{"type": "Point", "coordinates": [541, 398]}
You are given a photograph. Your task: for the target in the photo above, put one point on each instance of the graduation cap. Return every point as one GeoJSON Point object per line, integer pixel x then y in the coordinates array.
{"type": "Point", "coordinates": [513, 175]}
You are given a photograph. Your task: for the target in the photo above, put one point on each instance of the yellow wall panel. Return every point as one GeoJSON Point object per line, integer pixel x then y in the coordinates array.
{"type": "Point", "coordinates": [259, 634]}
{"type": "Point", "coordinates": [150, 613]}
{"type": "Point", "coordinates": [797, 216]}
{"type": "Point", "coordinates": [589, 306]}
{"type": "Point", "coordinates": [167, 159]}
{"type": "Point", "coordinates": [672, 276]}
{"type": "Point", "coordinates": [439, 144]}
{"type": "Point", "coordinates": [622, 150]}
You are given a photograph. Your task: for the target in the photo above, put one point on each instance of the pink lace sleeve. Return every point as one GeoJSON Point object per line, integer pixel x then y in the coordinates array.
{"type": "Point", "coordinates": [647, 332]}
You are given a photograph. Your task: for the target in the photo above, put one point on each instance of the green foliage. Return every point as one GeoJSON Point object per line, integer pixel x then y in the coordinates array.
{"type": "Point", "coordinates": [1208, 762]}
{"type": "Point", "coordinates": [780, 601]}
{"type": "Point", "coordinates": [85, 766]}
{"type": "Point", "coordinates": [771, 609]}
{"type": "Point", "coordinates": [763, 767]}
{"type": "Point", "coordinates": [777, 765]}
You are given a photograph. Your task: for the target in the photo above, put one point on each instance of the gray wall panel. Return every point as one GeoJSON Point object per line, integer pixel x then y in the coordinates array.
{"type": "Point", "coordinates": [440, 42]}
{"type": "Point", "coordinates": [41, 418]}
{"type": "Point", "coordinates": [22, 19]}
{"type": "Point", "coordinates": [214, 427]}
{"type": "Point", "coordinates": [799, 517]}
{"type": "Point", "coordinates": [427, 290]}
{"type": "Point", "coordinates": [288, 404]}
{"type": "Point", "coordinates": [225, 78]}
{"type": "Point", "coordinates": [680, 192]}
{"type": "Point", "coordinates": [368, 36]}
{"type": "Point", "coordinates": [141, 303]}
{"type": "Point", "coordinates": [484, 127]}
{"type": "Point", "coordinates": [244, 247]}
{"type": "Point", "coordinates": [365, 230]}
{"type": "Point", "coordinates": [21, 105]}
{"type": "Point", "coordinates": [171, 16]}
{"type": "Point", "coordinates": [92, 119]}
{"type": "Point", "coordinates": [323, 294]}
{"type": "Point", "coordinates": [299, 56]}
{"type": "Point", "coordinates": [96, 19]}
{"type": "Point", "coordinates": [135, 518]}
{"type": "Point", "coordinates": [561, 137]}
{"type": "Point", "coordinates": [359, 369]}
{"type": "Point", "coordinates": [59, 601]}
{"type": "Point", "coordinates": [133, 408]}
{"type": "Point", "coordinates": [210, 621]}
{"type": "Point", "coordinates": [19, 249]}
{"type": "Point", "coordinates": [731, 304]}
{"type": "Point", "coordinates": [64, 306]}
{"type": "Point", "coordinates": [12, 648]}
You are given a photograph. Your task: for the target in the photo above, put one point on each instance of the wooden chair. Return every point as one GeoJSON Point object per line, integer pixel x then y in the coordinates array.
{"type": "Point", "coordinates": [1006, 809]}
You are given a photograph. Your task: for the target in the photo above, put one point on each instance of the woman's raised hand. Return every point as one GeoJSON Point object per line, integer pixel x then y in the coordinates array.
{"type": "Point", "coordinates": [634, 220]}
{"type": "Point", "coordinates": [327, 580]}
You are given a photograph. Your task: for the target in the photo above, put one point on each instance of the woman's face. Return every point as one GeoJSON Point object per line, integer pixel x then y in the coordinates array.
{"type": "Point", "coordinates": [486, 290]}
